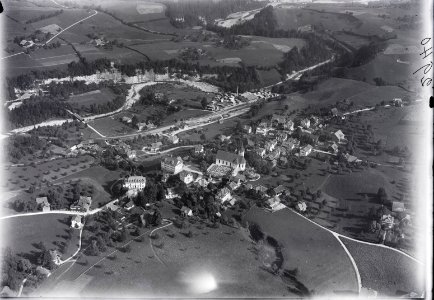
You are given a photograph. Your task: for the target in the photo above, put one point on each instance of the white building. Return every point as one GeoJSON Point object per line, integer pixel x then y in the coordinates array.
{"type": "Point", "coordinates": [135, 182]}
{"type": "Point", "coordinates": [76, 222]}
{"type": "Point", "coordinates": [236, 161]}
{"type": "Point", "coordinates": [306, 150]}
{"type": "Point", "coordinates": [186, 177]}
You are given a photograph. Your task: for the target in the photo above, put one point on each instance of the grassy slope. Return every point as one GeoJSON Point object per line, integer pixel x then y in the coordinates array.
{"type": "Point", "coordinates": [388, 272]}
{"type": "Point", "coordinates": [322, 263]}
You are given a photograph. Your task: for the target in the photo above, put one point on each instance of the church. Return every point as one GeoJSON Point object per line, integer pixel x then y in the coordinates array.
{"type": "Point", "coordinates": [236, 161]}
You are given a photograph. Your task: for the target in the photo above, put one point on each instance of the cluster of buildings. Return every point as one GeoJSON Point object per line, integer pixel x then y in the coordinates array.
{"type": "Point", "coordinates": [225, 100]}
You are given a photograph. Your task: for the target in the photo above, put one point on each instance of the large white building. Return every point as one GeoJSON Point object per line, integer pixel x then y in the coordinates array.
{"type": "Point", "coordinates": [135, 182]}
{"type": "Point", "coordinates": [172, 165]}
{"type": "Point", "coordinates": [236, 161]}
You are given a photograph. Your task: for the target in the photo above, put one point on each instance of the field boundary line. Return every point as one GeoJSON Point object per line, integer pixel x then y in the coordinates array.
{"type": "Point", "coordinates": [152, 246]}
{"type": "Point", "coordinates": [353, 262]}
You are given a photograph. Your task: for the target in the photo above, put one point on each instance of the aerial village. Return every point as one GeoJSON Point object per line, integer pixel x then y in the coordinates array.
{"type": "Point", "coordinates": [208, 180]}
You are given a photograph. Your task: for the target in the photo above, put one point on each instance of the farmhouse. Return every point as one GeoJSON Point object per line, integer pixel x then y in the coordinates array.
{"type": "Point", "coordinates": [156, 146]}
{"type": "Point", "coordinates": [306, 150]}
{"type": "Point", "coordinates": [55, 257]}
{"type": "Point", "coordinates": [43, 203]}
{"type": "Point", "coordinates": [305, 123]}
{"type": "Point", "coordinates": [301, 206]}
{"type": "Point", "coordinates": [338, 136]}
{"type": "Point", "coordinates": [170, 193]}
{"type": "Point", "coordinates": [198, 149]}
{"type": "Point", "coordinates": [186, 212]}
{"type": "Point", "coordinates": [186, 177]}
{"type": "Point", "coordinates": [397, 102]}
{"type": "Point", "coordinates": [247, 129]}
{"type": "Point", "coordinates": [262, 128]}
{"type": "Point", "coordinates": [279, 190]}
{"type": "Point", "coordinates": [398, 206]}
{"type": "Point", "coordinates": [83, 204]}
{"type": "Point", "coordinates": [235, 161]}
{"type": "Point", "coordinates": [126, 120]}
{"type": "Point", "coordinates": [334, 148]}
{"type": "Point", "coordinates": [135, 183]}
{"type": "Point", "coordinates": [172, 165]}
{"type": "Point", "coordinates": [174, 139]}
{"type": "Point", "coordinates": [224, 195]}
{"type": "Point", "coordinates": [76, 222]}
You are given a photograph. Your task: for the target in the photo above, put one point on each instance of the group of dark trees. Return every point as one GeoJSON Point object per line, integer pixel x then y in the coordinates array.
{"type": "Point", "coordinates": [36, 110]}
{"type": "Point", "coordinates": [45, 16]}
{"type": "Point", "coordinates": [21, 145]}
{"type": "Point", "coordinates": [14, 269]}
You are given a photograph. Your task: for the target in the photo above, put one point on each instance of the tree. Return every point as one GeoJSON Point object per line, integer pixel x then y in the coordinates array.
{"type": "Point", "coordinates": [204, 102]}
{"type": "Point", "coordinates": [382, 195]}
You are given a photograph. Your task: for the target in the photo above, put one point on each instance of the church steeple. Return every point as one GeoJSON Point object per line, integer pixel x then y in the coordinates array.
{"type": "Point", "coordinates": [241, 150]}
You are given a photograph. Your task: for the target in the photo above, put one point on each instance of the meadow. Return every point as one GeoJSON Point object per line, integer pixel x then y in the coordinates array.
{"type": "Point", "coordinates": [51, 229]}
{"type": "Point", "coordinates": [389, 273]}
{"type": "Point", "coordinates": [322, 264]}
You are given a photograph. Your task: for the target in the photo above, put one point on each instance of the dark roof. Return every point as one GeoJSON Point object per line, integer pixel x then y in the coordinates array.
{"type": "Point", "coordinates": [230, 157]}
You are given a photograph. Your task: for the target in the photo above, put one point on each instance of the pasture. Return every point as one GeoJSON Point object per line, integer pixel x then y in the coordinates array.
{"type": "Point", "coordinates": [389, 273]}
{"type": "Point", "coordinates": [24, 233]}
{"type": "Point", "coordinates": [111, 126]}
{"type": "Point", "coordinates": [292, 18]}
{"type": "Point", "coordinates": [21, 178]}
{"type": "Point", "coordinates": [96, 97]}
{"type": "Point", "coordinates": [323, 266]}
{"type": "Point", "coordinates": [165, 268]}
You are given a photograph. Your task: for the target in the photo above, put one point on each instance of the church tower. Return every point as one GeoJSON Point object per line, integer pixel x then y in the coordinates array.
{"type": "Point", "coordinates": [241, 150]}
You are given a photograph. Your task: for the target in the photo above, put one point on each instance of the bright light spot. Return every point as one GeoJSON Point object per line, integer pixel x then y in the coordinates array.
{"type": "Point", "coordinates": [200, 283]}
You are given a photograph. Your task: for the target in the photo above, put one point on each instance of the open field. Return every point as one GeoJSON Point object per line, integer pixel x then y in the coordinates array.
{"type": "Point", "coordinates": [110, 126]}
{"type": "Point", "coordinates": [20, 178]}
{"type": "Point", "coordinates": [393, 69]}
{"type": "Point", "coordinates": [323, 266]}
{"type": "Point", "coordinates": [25, 232]}
{"type": "Point", "coordinates": [165, 270]}
{"type": "Point", "coordinates": [41, 59]}
{"type": "Point", "coordinates": [96, 97]}
{"type": "Point", "coordinates": [293, 18]}
{"type": "Point", "coordinates": [390, 273]}
{"type": "Point", "coordinates": [261, 51]}
{"type": "Point", "coordinates": [360, 93]}
{"type": "Point", "coordinates": [105, 25]}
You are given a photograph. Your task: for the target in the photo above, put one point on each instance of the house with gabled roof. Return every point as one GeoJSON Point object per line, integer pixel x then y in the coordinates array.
{"type": "Point", "coordinates": [186, 212]}
{"type": "Point", "coordinates": [76, 222]}
{"type": "Point", "coordinates": [306, 150]}
{"type": "Point", "coordinates": [172, 165]}
{"type": "Point", "coordinates": [83, 204]}
{"type": "Point", "coordinates": [305, 123]}
{"type": "Point", "coordinates": [338, 136]}
{"type": "Point", "coordinates": [186, 177]}
{"type": "Point", "coordinates": [43, 203]}
{"type": "Point", "coordinates": [224, 195]}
